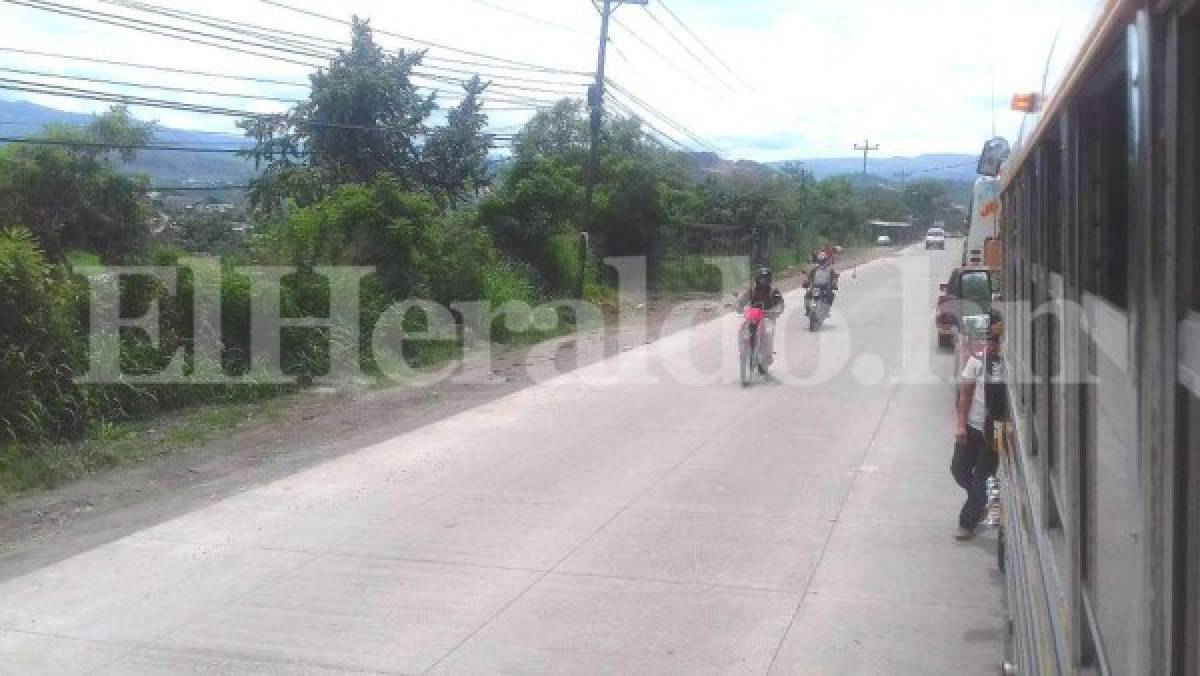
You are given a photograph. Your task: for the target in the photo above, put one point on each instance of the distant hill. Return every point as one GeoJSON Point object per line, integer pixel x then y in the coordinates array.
{"type": "Point", "coordinates": [703, 163]}
{"type": "Point", "coordinates": [881, 172]}
{"type": "Point", "coordinates": [939, 166]}
{"type": "Point", "coordinates": [21, 119]}
{"type": "Point", "coordinates": [170, 168]}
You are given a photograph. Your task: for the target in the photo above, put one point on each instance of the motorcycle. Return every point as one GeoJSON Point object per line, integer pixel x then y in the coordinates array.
{"type": "Point", "coordinates": [816, 306]}
{"type": "Point", "coordinates": [750, 339]}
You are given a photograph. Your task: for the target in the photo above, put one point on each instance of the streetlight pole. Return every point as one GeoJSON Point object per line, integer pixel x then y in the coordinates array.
{"type": "Point", "coordinates": [595, 102]}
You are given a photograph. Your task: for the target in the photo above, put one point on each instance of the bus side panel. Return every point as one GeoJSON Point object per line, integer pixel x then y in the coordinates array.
{"type": "Point", "coordinates": [985, 206]}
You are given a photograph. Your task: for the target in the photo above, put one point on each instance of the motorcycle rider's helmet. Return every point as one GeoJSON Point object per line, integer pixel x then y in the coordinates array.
{"type": "Point", "coordinates": [763, 277]}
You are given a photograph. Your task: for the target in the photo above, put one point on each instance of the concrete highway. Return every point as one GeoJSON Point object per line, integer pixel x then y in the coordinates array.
{"type": "Point", "coordinates": [590, 523]}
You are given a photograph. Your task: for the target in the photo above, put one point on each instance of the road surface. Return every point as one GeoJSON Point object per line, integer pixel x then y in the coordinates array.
{"type": "Point", "coordinates": [590, 523]}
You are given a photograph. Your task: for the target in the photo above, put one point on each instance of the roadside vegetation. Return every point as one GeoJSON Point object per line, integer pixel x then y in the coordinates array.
{"type": "Point", "coordinates": [367, 172]}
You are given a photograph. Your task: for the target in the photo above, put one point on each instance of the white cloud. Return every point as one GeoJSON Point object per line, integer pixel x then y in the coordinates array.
{"type": "Point", "coordinates": [914, 76]}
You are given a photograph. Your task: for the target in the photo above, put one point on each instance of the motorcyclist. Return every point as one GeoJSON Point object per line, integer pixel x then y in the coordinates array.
{"type": "Point", "coordinates": [824, 278]}
{"type": "Point", "coordinates": [762, 293]}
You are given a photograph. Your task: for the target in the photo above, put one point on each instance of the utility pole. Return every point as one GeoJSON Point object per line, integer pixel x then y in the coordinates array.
{"type": "Point", "coordinates": [866, 148]}
{"type": "Point", "coordinates": [595, 100]}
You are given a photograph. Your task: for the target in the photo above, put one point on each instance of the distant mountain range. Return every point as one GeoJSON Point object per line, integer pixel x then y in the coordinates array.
{"type": "Point", "coordinates": [20, 119]}
{"type": "Point", "coordinates": [939, 166]}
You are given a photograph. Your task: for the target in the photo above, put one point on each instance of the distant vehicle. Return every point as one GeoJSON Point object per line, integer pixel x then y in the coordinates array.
{"type": "Point", "coordinates": [983, 243]}
{"type": "Point", "coordinates": [883, 240]}
{"type": "Point", "coordinates": [967, 293]}
{"type": "Point", "coordinates": [935, 238]}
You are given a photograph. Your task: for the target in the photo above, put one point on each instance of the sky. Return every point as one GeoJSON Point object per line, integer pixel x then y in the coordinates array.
{"type": "Point", "coordinates": [790, 79]}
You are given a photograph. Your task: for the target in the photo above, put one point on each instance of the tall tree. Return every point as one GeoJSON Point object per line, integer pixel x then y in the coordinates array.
{"type": "Point", "coordinates": [365, 118]}
{"type": "Point", "coordinates": [455, 155]}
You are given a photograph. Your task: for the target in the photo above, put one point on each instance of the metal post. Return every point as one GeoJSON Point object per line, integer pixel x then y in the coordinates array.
{"type": "Point", "coordinates": [866, 148]}
{"type": "Point", "coordinates": [596, 121]}
{"type": "Point", "coordinates": [596, 115]}
{"type": "Point", "coordinates": [583, 258]}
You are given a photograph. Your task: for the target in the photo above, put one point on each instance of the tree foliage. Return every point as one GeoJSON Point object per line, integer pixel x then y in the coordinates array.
{"type": "Point", "coordinates": [70, 196]}
{"type": "Point", "coordinates": [365, 118]}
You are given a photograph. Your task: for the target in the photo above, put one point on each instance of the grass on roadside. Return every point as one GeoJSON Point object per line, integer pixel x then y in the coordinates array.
{"type": "Point", "coordinates": [27, 467]}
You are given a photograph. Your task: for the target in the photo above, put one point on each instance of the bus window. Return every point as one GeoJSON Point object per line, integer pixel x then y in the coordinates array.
{"type": "Point", "coordinates": [1109, 209]}
{"type": "Point", "coordinates": [1114, 510]}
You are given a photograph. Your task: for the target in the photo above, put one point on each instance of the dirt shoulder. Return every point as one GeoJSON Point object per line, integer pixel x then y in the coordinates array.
{"type": "Point", "coordinates": [189, 459]}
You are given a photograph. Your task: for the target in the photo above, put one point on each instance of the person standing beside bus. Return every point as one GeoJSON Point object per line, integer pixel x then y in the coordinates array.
{"type": "Point", "coordinates": [980, 405]}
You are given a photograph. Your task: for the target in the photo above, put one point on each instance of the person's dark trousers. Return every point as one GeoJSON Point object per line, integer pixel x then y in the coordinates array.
{"type": "Point", "coordinates": [974, 461]}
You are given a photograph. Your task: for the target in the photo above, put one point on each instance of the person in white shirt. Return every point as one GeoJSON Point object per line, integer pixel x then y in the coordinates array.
{"type": "Point", "coordinates": [974, 457]}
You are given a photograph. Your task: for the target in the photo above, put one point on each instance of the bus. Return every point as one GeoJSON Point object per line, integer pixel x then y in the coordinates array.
{"type": "Point", "coordinates": [981, 223]}
{"type": "Point", "coordinates": [1099, 479]}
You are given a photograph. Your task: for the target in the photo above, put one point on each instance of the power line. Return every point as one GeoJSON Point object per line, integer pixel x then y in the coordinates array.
{"type": "Point", "coordinates": [532, 18]}
{"type": "Point", "coordinates": [427, 43]}
{"type": "Point", "coordinates": [252, 30]}
{"type": "Point", "coordinates": [620, 54]}
{"type": "Point", "coordinates": [657, 52]}
{"type": "Point", "coordinates": [109, 97]}
{"type": "Point", "coordinates": [703, 44]}
{"type": "Point", "coordinates": [496, 85]}
{"type": "Point", "coordinates": [273, 34]}
{"type": "Point", "coordinates": [317, 45]}
{"type": "Point", "coordinates": [95, 95]}
{"type": "Point", "coordinates": [185, 90]}
{"type": "Point", "coordinates": [631, 113]}
{"type": "Point", "coordinates": [163, 69]}
{"type": "Point", "coordinates": [956, 165]}
{"type": "Point", "coordinates": [248, 151]}
{"type": "Point", "coordinates": [69, 143]}
{"type": "Point", "coordinates": [654, 132]}
{"type": "Point", "coordinates": [646, 117]}
{"type": "Point", "coordinates": [498, 97]}
{"type": "Point", "coordinates": [663, 117]}
{"type": "Point", "coordinates": [181, 34]}
{"type": "Point", "coordinates": [122, 83]}
{"type": "Point", "coordinates": [650, 111]}
{"type": "Point", "coordinates": [141, 25]}
{"type": "Point", "coordinates": [716, 76]}
{"type": "Point", "coordinates": [487, 75]}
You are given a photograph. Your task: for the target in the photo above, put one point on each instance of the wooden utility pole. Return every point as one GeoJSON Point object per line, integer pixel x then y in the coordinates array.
{"type": "Point", "coordinates": [595, 102]}
{"type": "Point", "coordinates": [866, 148]}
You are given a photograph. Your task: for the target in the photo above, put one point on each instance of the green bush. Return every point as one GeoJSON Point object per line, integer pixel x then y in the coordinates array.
{"type": "Point", "coordinates": [505, 282]}
{"type": "Point", "coordinates": [562, 263]}
{"type": "Point", "coordinates": [37, 310]}
{"type": "Point", "coordinates": [689, 273]}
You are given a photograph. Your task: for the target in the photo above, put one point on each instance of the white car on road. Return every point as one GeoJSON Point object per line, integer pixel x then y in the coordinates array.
{"type": "Point", "coordinates": [935, 238]}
